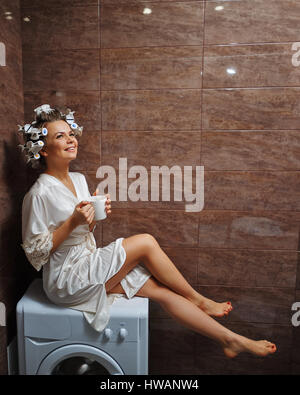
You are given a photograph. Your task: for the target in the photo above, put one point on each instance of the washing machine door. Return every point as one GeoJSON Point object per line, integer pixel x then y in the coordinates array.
{"type": "Point", "coordinates": [79, 359]}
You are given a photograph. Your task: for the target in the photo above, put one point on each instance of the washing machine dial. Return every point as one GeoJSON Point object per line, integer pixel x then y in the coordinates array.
{"type": "Point", "coordinates": [123, 333]}
{"type": "Point", "coordinates": [108, 333]}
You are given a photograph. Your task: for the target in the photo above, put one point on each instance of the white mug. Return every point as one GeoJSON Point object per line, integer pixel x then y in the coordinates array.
{"type": "Point", "coordinates": [98, 203]}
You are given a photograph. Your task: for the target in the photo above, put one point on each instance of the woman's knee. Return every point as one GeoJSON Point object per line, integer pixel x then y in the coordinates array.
{"type": "Point", "coordinates": [149, 241]}
{"type": "Point", "coordinates": [138, 246]}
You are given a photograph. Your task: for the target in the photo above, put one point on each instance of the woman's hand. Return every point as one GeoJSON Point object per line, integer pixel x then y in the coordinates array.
{"type": "Point", "coordinates": [84, 213]}
{"type": "Point", "coordinates": [107, 208]}
{"type": "Point", "coordinates": [108, 204]}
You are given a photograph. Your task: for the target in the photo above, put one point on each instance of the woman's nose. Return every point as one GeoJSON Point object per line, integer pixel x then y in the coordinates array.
{"type": "Point", "coordinates": [70, 138]}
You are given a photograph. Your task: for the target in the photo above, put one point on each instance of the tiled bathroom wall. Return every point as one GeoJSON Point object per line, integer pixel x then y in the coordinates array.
{"type": "Point", "coordinates": [188, 83]}
{"type": "Point", "coordinates": [13, 273]}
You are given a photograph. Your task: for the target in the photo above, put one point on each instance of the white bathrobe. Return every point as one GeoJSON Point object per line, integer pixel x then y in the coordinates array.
{"type": "Point", "coordinates": [74, 275]}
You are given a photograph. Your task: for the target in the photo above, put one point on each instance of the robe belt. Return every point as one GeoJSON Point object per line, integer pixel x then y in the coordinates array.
{"type": "Point", "coordinates": [87, 239]}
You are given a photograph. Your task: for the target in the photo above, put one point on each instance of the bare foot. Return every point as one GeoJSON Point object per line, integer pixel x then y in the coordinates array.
{"type": "Point", "coordinates": [242, 344]}
{"type": "Point", "coordinates": [215, 309]}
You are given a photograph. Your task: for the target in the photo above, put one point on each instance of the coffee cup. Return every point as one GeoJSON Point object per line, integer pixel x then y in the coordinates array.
{"type": "Point", "coordinates": [98, 203]}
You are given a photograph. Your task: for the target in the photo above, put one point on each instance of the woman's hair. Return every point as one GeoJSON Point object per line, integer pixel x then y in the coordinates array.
{"type": "Point", "coordinates": [41, 119]}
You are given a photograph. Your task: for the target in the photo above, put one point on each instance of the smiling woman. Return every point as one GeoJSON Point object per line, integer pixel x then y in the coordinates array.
{"type": "Point", "coordinates": [59, 138]}
{"type": "Point", "coordinates": [56, 219]}
{"type": "Point", "coordinates": [36, 134]}
{"type": "Point", "coordinates": [60, 148]}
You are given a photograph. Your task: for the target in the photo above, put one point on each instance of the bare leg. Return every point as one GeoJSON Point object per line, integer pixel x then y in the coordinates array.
{"type": "Point", "coordinates": [162, 268]}
{"type": "Point", "coordinates": [189, 315]}
{"type": "Point", "coordinates": [144, 248]}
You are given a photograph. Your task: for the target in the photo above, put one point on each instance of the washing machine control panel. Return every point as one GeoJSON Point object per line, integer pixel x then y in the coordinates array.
{"type": "Point", "coordinates": [123, 333]}
{"type": "Point", "coordinates": [108, 333]}
{"type": "Point", "coordinates": [120, 332]}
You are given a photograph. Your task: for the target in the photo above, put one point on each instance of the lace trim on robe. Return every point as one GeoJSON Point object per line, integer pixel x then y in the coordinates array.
{"type": "Point", "coordinates": [37, 249]}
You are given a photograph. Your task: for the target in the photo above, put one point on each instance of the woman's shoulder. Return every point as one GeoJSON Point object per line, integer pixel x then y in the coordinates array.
{"type": "Point", "coordinates": [39, 189]}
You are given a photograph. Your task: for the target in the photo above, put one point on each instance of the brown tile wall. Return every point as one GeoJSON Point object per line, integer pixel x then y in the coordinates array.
{"type": "Point", "coordinates": [14, 275]}
{"type": "Point", "coordinates": [193, 83]}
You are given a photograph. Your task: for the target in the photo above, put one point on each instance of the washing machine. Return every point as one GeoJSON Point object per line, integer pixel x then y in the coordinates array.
{"type": "Point", "coordinates": [54, 340]}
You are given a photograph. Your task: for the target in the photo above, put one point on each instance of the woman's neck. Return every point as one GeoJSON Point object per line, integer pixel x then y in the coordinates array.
{"type": "Point", "coordinates": [62, 175]}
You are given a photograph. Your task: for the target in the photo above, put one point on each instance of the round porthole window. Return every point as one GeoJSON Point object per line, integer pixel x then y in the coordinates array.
{"type": "Point", "coordinates": [79, 366]}
{"type": "Point", "coordinates": [79, 359]}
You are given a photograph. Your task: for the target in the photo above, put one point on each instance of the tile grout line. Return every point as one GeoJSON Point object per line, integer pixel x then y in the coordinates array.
{"type": "Point", "coordinates": [201, 104]}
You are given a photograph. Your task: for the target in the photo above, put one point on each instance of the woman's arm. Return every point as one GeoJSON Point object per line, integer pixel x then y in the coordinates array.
{"type": "Point", "coordinates": [62, 232]}
{"type": "Point", "coordinates": [83, 214]}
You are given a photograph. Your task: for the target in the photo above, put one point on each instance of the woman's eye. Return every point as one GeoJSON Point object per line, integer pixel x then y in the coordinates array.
{"type": "Point", "coordinates": [71, 134]}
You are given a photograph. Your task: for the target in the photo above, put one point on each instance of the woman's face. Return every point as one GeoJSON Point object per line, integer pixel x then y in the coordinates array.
{"type": "Point", "coordinates": [61, 143]}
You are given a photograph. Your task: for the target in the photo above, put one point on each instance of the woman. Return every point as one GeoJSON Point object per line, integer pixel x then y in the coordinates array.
{"type": "Point", "coordinates": [57, 226]}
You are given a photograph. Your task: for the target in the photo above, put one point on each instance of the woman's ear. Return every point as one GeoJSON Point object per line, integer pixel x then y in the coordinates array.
{"type": "Point", "coordinates": [43, 151]}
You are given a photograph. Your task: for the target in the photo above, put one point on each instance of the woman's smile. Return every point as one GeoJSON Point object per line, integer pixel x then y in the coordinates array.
{"type": "Point", "coordinates": [71, 149]}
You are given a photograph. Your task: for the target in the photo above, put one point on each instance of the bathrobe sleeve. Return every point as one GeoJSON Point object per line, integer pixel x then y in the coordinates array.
{"type": "Point", "coordinates": [37, 238]}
